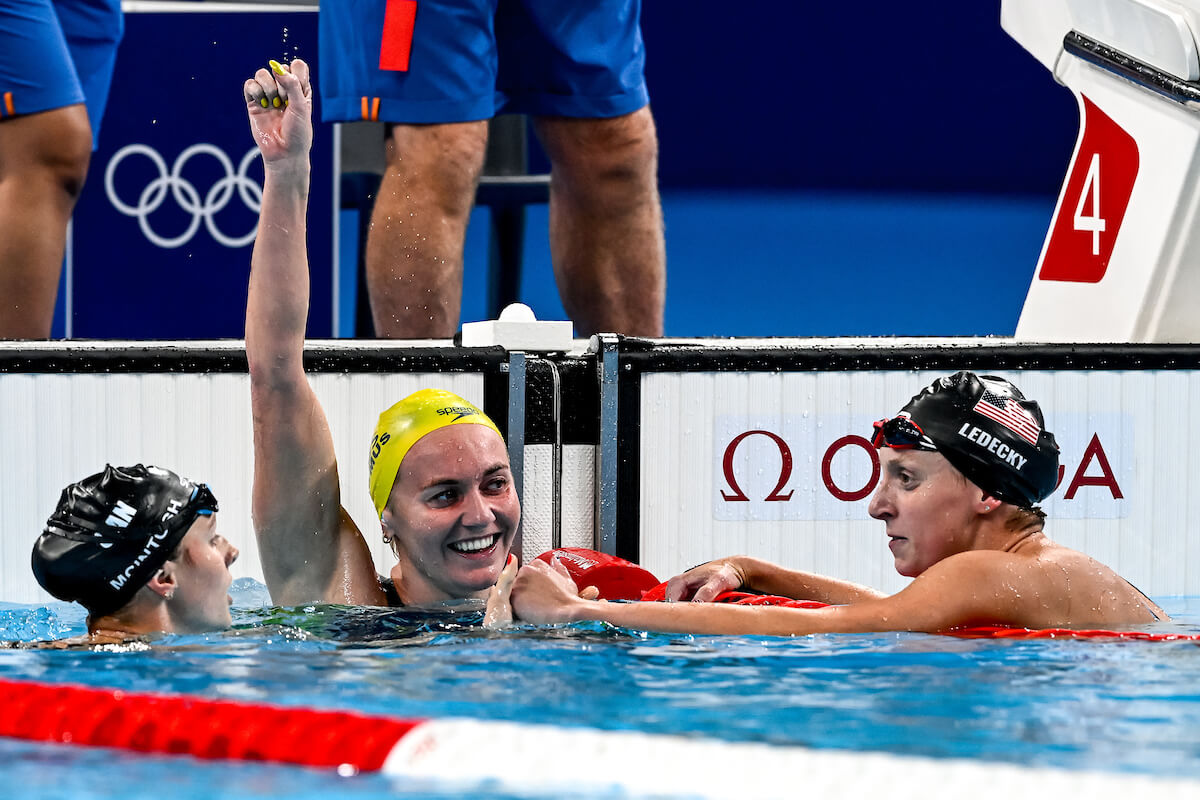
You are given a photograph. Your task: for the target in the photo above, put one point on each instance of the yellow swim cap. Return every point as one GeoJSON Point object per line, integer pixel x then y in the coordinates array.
{"type": "Point", "coordinates": [403, 424]}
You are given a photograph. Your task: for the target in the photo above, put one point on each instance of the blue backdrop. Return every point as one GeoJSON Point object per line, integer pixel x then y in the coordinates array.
{"type": "Point", "coordinates": [163, 230]}
{"type": "Point", "coordinates": [827, 169]}
{"type": "Point", "coordinates": [875, 168]}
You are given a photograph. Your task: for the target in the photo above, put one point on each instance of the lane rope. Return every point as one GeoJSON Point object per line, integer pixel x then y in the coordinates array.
{"type": "Point", "coordinates": [522, 757]}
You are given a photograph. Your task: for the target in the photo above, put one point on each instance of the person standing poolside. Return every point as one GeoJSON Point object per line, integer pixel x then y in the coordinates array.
{"type": "Point", "coordinates": [138, 548]}
{"type": "Point", "coordinates": [55, 56]}
{"type": "Point", "coordinates": [440, 476]}
{"type": "Point", "coordinates": [436, 71]}
{"type": "Point", "coordinates": [964, 465]}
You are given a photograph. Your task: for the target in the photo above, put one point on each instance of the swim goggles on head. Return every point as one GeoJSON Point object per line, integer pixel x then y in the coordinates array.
{"type": "Point", "coordinates": [900, 433]}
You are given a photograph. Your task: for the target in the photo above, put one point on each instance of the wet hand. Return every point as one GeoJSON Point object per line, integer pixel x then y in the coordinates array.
{"type": "Point", "coordinates": [279, 105]}
{"type": "Point", "coordinates": [499, 613]}
{"type": "Point", "coordinates": [545, 593]}
{"type": "Point", "coordinates": [701, 584]}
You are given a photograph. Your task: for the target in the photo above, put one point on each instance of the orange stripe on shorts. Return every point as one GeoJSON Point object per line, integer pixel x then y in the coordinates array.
{"type": "Point", "coordinates": [8, 104]}
{"type": "Point", "coordinates": [365, 115]}
{"type": "Point", "coordinates": [374, 109]}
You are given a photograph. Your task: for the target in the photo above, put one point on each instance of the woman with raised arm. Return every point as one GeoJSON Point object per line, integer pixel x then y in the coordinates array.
{"type": "Point", "coordinates": [440, 476]}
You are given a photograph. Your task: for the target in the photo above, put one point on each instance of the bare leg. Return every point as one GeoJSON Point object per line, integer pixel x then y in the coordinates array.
{"type": "Point", "coordinates": [415, 245]}
{"type": "Point", "coordinates": [606, 227]}
{"type": "Point", "coordinates": [43, 162]}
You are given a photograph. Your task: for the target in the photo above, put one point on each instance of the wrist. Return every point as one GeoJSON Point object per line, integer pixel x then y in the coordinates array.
{"type": "Point", "coordinates": [746, 570]}
{"type": "Point", "coordinates": [288, 168]}
{"type": "Point", "coordinates": [581, 610]}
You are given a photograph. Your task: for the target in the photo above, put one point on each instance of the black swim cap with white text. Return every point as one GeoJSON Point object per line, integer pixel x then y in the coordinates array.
{"type": "Point", "coordinates": [989, 432]}
{"type": "Point", "coordinates": [112, 531]}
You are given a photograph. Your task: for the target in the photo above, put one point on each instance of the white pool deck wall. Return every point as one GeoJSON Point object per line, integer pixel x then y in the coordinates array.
{"type": "Point", "coordinates": [58, 428]}
{"type": "Point", "coordinates": [1129, 441]}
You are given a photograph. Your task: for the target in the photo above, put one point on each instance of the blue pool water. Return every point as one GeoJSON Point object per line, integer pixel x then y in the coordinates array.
{"type": "Point", "coordinates": [1109, 705]}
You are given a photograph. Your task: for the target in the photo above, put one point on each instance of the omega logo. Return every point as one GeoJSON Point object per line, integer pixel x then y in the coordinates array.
{"type": "Point", "coordinates": [785, 471]}
{"type": "Point", "coordinates": [1093, 456]}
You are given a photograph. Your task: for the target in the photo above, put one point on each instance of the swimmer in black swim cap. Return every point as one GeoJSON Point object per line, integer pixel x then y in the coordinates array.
{"type": "Point", "coordinates": [986, 428]}
{"type": "Point", "coordinates": [961, 469]}
{"type": "Point", "coordinates": [138, 548]}
{"type": "Point", "coordinates": [991, 436]}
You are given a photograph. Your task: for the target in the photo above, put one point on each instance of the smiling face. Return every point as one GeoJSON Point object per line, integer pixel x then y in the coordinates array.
{"type": "Point", "coordinates": [201, 571]}
{"type": "Point", "coordinates": [930, 509]}
{"type": "Point", "coordinates": [452, 514]}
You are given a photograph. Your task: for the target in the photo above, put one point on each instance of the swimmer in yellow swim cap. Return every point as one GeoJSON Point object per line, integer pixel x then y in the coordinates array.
{"type": "Point", "coordinates": [439, 470]}
{"type": "Point", "coordinates": [441, 484]}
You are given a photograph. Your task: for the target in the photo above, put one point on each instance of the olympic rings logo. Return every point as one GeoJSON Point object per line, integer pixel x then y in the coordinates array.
{"type": "Point", "coordinates": [186, 195]}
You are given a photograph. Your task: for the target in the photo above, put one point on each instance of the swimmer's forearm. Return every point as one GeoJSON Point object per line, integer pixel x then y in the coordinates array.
{"type": "Point", "coordinates": [707, 618]}
{"type": "Point", "coordinates": [763, 576]}
{"type": "Point", "coordinates": [277, 308]}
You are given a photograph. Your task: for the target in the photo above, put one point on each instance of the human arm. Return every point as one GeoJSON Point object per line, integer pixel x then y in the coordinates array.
{"type": "Point", "coordinates": [703, 583]}
{"type": "Point", "coordinates": [498, 612]}
{"type": "Point", "coordinates": [310, 548]}
{"type": "Point", "coordinates": [966, 589]}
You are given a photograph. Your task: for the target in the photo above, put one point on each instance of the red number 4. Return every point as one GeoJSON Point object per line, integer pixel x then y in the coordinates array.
{"type": "Point", "coordinates": [1081, 244]}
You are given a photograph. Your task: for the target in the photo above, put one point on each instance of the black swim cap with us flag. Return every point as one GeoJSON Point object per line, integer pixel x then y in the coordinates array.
{"type": "Point", "coordinates": [986, 429]}
{"type": "Point", "coordinates": [112, 531]}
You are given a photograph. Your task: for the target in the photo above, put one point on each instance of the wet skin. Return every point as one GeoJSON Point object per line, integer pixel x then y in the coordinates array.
{"type": "Point", "coordinates": [452, 515]}
{"type": "Point", "coordinates": [201, 600]}
{"type": "Point", "coordinates": [929, 510]}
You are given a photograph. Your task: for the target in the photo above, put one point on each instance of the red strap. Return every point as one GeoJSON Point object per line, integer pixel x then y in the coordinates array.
{"type": "Point", "coordinates": [398, 20]}
{"type": "Point", "coordinates": [659, 593]}
{"type": "Point", "coordinates": [1003, 632]}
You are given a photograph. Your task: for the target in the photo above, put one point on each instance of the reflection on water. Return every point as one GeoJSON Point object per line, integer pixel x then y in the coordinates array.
{"type": "Point", "coordinates": [1097, 704]}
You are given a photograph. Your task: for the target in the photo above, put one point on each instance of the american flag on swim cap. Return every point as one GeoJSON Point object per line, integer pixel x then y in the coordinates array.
{"type": "Point", "coordinates": [1008, 412]}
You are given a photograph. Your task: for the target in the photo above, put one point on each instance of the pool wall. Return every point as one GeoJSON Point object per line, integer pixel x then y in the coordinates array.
{"type": "Point", "coordinates": [668, 452]}
{"type": "Point", "coordinates": [69, 409]}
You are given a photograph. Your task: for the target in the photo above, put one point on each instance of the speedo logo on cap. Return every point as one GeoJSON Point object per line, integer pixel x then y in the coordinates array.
{"type": "Point", "coordinates": [982, 438]}
{"type": "Point", "coordinates": [461, 411]}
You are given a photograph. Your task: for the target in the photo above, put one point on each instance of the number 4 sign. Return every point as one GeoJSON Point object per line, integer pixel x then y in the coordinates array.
{"type": "Point", "coordinates": [1093, 204]}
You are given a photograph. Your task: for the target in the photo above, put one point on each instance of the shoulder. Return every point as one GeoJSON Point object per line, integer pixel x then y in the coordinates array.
{"type": "Point", "coordinates": [977, 587]}
{"type": "Point", "coordinates": [975, 564]}
{"type": "Point", "coordinates": [1003, 573]}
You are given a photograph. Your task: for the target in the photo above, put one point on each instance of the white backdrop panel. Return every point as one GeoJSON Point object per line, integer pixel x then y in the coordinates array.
{"type": "Point", "coordinates": [58, 428]}
{"type": "Point", "coordinates": [1127, 494]}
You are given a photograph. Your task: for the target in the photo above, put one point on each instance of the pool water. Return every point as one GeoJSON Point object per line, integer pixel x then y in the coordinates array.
{"type": "Point", "coordinates": [1080, 704]}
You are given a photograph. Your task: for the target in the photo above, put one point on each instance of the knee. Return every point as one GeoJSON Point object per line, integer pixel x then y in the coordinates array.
{"type": "Point", "coordinates": [621, 150]}
{"type": "Point", "coordinates": [442, 161]}
{"type": "Point", "coordinates": [51, 148]}
{"type": "Point", "coordinates": [69, 162]}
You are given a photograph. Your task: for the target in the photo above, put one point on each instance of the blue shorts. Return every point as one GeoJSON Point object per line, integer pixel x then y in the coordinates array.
{"type": "Point", "coordinates": [463, 60]}
{"type": "Point", "coordinates": [55, 54]}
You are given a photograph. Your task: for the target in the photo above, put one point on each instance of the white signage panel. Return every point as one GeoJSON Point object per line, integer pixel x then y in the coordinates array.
{"type": "Point", "coordinates": [779, 465]}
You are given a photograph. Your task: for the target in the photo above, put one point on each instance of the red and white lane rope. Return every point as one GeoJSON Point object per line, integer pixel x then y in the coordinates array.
{"type": "Point", "coordinates": [528, 758]}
